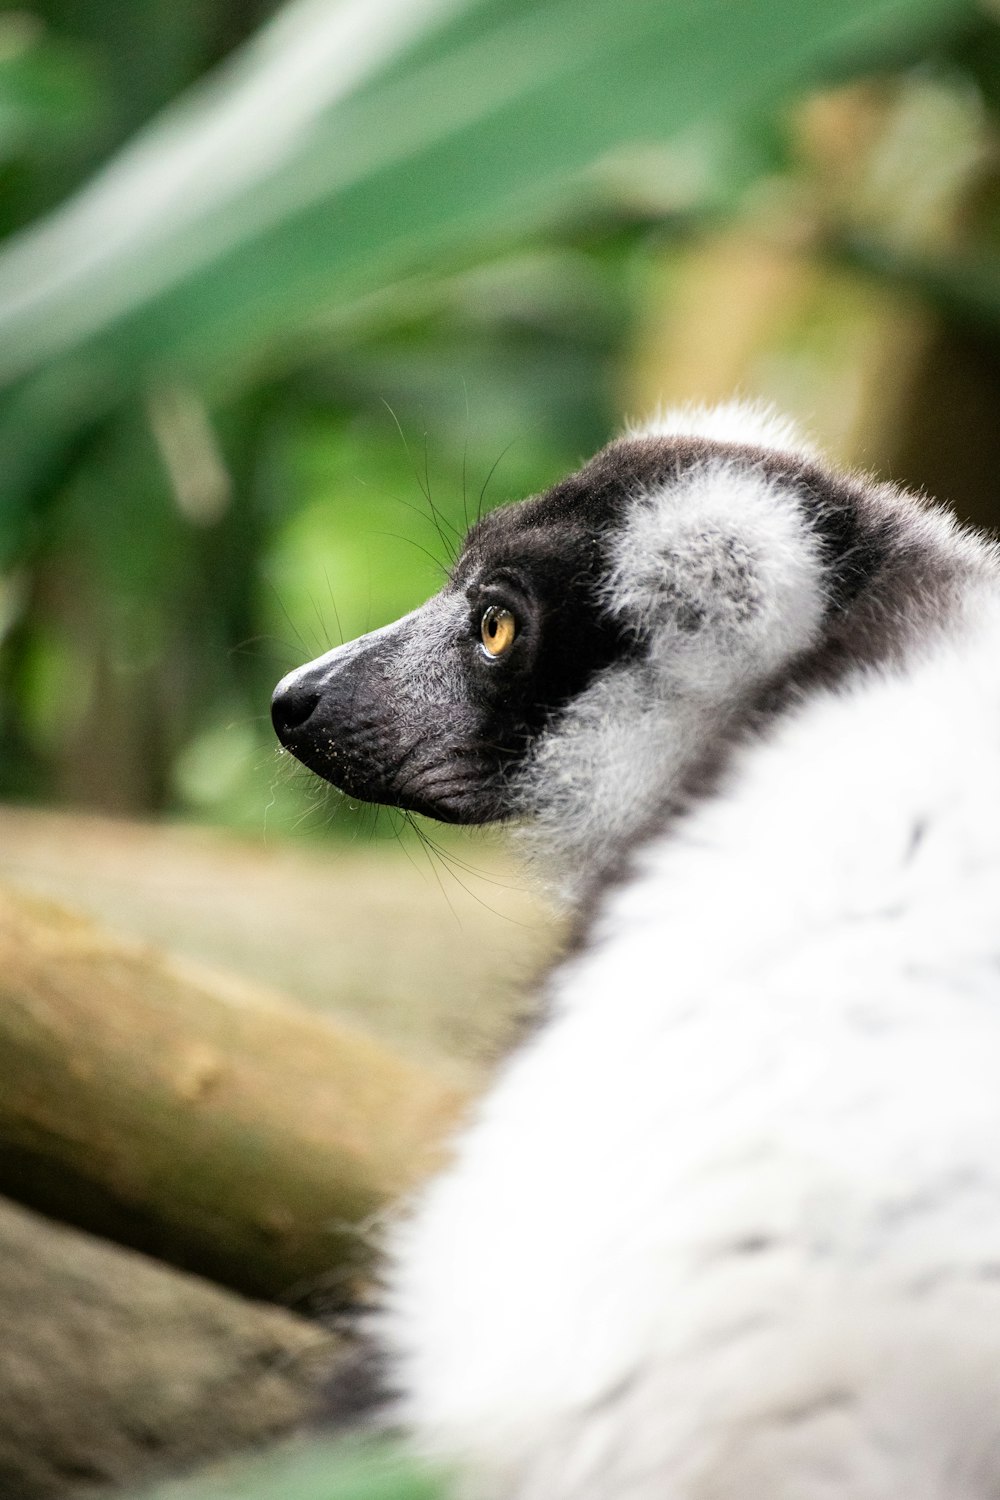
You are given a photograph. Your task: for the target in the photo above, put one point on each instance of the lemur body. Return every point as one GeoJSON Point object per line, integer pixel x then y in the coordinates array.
{"type": "Point", "coordinates": [727, 1225]}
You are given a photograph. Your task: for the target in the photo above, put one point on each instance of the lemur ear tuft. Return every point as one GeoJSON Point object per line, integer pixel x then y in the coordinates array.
{"type": "Point", "coordinates": [719, 565]}
{"type": "Point", "coordinates": [704, 579]}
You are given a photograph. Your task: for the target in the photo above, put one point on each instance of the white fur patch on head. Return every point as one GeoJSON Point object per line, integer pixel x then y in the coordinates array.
{"type": "Point", "coordinates": [749, 423]}
{"type": "Point", "coordinates": [720, 576]}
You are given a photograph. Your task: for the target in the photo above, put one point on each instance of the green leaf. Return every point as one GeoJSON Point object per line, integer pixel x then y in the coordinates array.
{"type": "Point", "coordinates": [356, 143]}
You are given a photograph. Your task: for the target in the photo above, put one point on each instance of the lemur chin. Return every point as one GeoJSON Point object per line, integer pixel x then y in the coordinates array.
{"type": "Point", "coordinates": [727, 1225]}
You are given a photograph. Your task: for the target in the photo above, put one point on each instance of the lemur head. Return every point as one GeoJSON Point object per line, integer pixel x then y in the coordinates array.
{"type": "Point", "coordinates": [594, 641]}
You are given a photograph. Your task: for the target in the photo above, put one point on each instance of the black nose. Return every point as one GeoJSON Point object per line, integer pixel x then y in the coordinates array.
{"type": "Point", "coordinates": [291, 707]}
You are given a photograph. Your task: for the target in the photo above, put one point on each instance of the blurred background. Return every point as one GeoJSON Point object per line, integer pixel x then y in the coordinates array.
{"type": "Point", "coordinates": [287, 295]}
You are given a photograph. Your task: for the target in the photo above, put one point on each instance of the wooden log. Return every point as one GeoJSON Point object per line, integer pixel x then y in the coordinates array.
{"type": "Point", "coordinates": [211, 1126]}
{"type": "Point", "coordinates": [115, 1370]}
{"type": "Point", "coordinates": [374, 934]}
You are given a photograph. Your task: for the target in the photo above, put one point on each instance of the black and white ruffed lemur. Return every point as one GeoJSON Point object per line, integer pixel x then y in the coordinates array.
{"type": "Point", "coordinates": [726, 1226]}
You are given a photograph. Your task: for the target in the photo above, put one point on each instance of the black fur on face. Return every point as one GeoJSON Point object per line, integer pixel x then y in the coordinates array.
{"type": "Point", "coordinates": [419, 715]}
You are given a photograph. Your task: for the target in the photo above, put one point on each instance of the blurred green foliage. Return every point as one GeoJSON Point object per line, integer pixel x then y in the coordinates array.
{"type": "Point", "coordinates": [286, 298]}
{"type": "Point", "coordinates": [320, 1471]}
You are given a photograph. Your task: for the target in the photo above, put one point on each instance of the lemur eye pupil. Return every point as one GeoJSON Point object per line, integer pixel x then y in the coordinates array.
{"type": "Point", "coordinates": [497, 630]}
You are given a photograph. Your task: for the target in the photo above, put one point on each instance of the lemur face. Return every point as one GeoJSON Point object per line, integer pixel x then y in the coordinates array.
{"type": "Point", "coordinates": [435, 712]}
{"type": "Point", "coordinates": [591, 641]}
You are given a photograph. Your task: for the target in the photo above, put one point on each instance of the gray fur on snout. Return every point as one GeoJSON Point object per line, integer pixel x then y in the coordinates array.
{"type": "Point", "coordinates": [393, 722]}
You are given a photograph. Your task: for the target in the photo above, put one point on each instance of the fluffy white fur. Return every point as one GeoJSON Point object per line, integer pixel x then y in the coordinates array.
{"type": "Point", "coordinates": [727, 1227]}
{"type": "Point", "coordinates": [745, 422]}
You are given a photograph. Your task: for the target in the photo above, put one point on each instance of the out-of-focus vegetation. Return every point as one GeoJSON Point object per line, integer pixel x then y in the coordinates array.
{"type": "Point", "coordinates": [326, 1471]}
{"type": "Point", "coordinates": [286, 297]}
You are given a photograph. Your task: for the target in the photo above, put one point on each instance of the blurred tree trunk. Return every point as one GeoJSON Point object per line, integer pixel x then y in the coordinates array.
{"type": "Point", "coordinates": [115, 1370]}
{"type": "Point", "coordinates": [211, 1126]}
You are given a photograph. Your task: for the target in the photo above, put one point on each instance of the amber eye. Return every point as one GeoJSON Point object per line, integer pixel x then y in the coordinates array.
{"type": "Point", "coordinates": [497, 629]}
